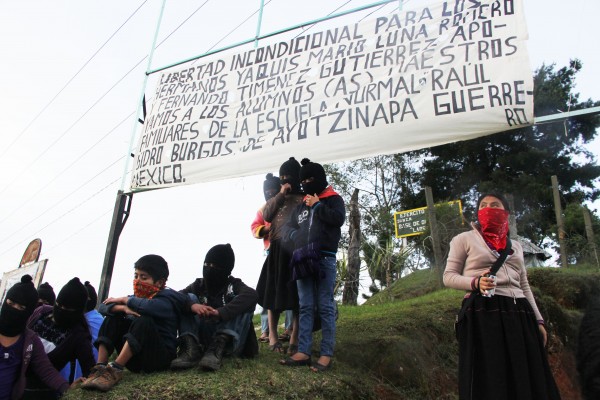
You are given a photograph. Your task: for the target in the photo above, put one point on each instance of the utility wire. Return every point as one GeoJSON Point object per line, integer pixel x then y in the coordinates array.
{"type": "Point", "coordinates": [77, 232]}
{"type": "Point", "coordinates": [60, 201]}
{"type": "Point", "coordinates": [311, 26]}
{"type": "Point", "coordinates": [70, 80]}
{"type": "Point", "coordinates": [63, 215]}
{"type": "Point", "coordinates": [33, 196]}
{"type": "Point", "coordinates": [91, 107]}
{"type": "Point", "coordinates": [236, 28]}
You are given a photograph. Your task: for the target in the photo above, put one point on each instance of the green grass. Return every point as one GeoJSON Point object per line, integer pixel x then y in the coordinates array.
{"type": "Point", "coordinates": [399, 345]}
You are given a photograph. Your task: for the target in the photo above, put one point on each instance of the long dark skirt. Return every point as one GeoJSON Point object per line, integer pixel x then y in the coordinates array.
{"type": "Point", "coordinates": [501, 352]}
{"type": "Point", "coordinates": [276, 290]}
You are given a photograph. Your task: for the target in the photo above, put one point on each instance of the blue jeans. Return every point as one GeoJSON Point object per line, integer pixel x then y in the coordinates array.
{"type": "Point", "coordinates": [318, 292]}
{"type": "Point", "coordinates": [204, 329]}
{"type": "Point", "coordinates": [264, 323]}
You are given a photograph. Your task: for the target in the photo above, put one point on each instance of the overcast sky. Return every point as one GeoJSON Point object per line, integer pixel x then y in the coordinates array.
{"type": "Point", "coordinates": [71, 75]}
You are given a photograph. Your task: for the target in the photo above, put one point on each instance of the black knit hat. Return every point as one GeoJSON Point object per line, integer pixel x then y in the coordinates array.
{"type": "Point", "coordinates": [222, 256]}
{"type": "Point", "coordinates": [46, 292]}
{"type": "Point", "coordinates": [313, 170]}
{"type": "Point", "coordinates": [271, 182]}
{"type": "Point", "coordinates": [290, 167]}
{"type": "Point", "coordinates": [24, 293]}
{"type": "Point", "coordinates": [92, 297]}
{"type": "Point", "coordinates": [73, 295]}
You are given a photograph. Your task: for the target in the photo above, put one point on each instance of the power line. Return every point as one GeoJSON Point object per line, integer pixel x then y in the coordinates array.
{"type": "Point", "coordinates": [60, 201]}
{"type": "Point", "coordinates": [66, 169]}
{"type": "Point", "coordinates": [236, 28]}
{"type": "Point", "coordinates": [63, 215]}
{"type": "Point", "coordinates": [96, 103]}
{"type": "Point", "coordinates": [70, 80]}
{"type": "Point", "coordinates": [77, 232]}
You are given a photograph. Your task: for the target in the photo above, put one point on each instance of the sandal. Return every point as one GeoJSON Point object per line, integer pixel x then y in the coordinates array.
{"type": "Point", "coordinates": [290, 362]}
{"type": "Point", "coordinates": [284, 337]}
{"type": "Point", "coordinates": [277, 347]}
{"type": "Point", "coordinates": [264, 339]}
{"type": "Point", "coordinates": [292, 349]}
{"type": "Point", "coordinates": [316, 367]}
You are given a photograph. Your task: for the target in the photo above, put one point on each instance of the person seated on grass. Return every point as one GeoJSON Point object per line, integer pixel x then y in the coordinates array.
{"type": "Point", "coordinates": [20, 347]}
{"type": "Point", "coordinates": [142, 328]}
{"type": "Point", "coordinates": [64, 333]}
{"type": "Point", "coordinates": [94, 319]}
{"type": "Point", "coordinates": [46, 294]}
{"type": "Point", "coordinates": [224, 306]}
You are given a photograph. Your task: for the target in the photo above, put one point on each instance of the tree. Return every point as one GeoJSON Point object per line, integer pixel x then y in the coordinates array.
{"type": "Point", "coordinates": [578, 246]}
{"type": "Point", "coordinates": [518, 161]}
{"type": "Point", "coordinates": [521, 161]}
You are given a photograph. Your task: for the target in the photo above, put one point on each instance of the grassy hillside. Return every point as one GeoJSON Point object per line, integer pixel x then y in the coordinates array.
{"type": "Point", "coordinates": [399, 345]}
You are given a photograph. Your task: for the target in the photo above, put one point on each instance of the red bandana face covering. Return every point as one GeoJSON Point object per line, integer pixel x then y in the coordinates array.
{"type": "Point", "coordinates": [144, 290]}
{"type": "Point", "coordinates": [494, 226]}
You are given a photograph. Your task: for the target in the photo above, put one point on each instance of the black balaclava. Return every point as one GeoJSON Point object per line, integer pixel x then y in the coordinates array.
{"type": "Point", "coordinates": [291, 168]}
{"type": "Point", "coordinates": [73, 296]}
{"type": "Point", "coordinates": [313, 170]}
{"type": "Point", "coordinates": [46, 292]}
{"type": "Point", "coordinates": [271, 183]}
{"type": "Point", "coordinates": [12, 320]}
{"type": "Point", "coordinates": [223, 258]}
{"type": "Point", "coordinates": [92, 297]}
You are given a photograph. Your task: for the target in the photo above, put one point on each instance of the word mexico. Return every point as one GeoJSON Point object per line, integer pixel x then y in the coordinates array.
{"type": "Point", "coordinates": [434, 74]}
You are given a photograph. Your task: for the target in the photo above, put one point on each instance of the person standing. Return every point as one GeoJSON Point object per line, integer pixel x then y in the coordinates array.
{"type": "Point", "coordinates": [275, 289]}
{"type": "Point", "coordinates": [315, 230]}
{"type": "Point", "coordinates": [502, 335]}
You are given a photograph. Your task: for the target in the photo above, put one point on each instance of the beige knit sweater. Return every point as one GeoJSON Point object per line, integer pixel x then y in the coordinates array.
{"type": "Point", "coordinates": [470, 256]}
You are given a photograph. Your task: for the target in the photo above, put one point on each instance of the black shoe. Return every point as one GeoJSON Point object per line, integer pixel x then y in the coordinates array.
{"type": "Point", "coordinates": [189, 353]}
{"type": "Point", "coordinates": [213, 357]}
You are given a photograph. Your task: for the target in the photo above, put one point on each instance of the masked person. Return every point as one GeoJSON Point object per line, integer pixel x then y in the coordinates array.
{"type": "Point", "coordinates": [65, 334]}
{"type": "Point", "coordinates": [141, 329]}
{"type": "Point", "coordinates": [314, 229]}
{"type": "Point", "coordinates": [46, 294]}
{"type": "Point", "coordinates": [94, 320]}
{"type": "Point", "coordinates": [224, 306]}
{"type": "Point", "coordinates": [501, 336]}
{"type": "Point", "coordinates": [21, 349]}
{"type": "Point", "coordinates": [275, 289]}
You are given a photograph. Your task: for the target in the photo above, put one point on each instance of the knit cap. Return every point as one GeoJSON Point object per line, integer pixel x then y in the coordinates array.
{"type": "Point", "coordinates": [46, 292]}
{"type": "Point", "coordinates": [24, 293]}
{"type": "Point", "coordinates": [92, 297]}
{"type": "Point", "coordinates": [73, 295]}
{"type": "Point", "coordinates": [221, 255]}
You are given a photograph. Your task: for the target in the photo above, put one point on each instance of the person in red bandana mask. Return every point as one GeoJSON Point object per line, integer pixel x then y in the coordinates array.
{"type": "Point", "coordinates": [501, 336]}
{"type": "Point", "coordinates": [141, 329]}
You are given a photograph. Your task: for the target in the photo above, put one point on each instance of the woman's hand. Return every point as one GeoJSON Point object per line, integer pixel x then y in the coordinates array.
{"type": "Point", "coordinates": [486, 283]}
{"type": "Point", "coordinates": [544, 334]}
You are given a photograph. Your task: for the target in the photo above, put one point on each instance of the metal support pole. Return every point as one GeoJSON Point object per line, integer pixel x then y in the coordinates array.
{"type": "Point", "coordinates": [433, 226]}
{"type": "Point", "coordinates": [120, 215]}
{"type": "Point", "coordinates": [559, 222]}
{"type": "Point", "coordinates": [141, 100]}
{"type": "Point", "coordinates": [260, 14]}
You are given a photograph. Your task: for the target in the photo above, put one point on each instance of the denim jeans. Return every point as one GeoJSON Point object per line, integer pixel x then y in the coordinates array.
{"type": "Point", "coordinates": [318, 291]}
{"type": "Point", "coordinates": [264, 322]}
{"type": "Point", "coordinates": [204, 329]}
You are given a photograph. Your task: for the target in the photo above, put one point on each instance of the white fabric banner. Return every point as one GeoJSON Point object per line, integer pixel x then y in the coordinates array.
{"type": "Point", "coordinates": [454, 70]}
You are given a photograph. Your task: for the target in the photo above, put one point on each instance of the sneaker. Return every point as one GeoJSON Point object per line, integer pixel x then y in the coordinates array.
{"type": "Point", "coordinates": [213, 357]}
{"type": "Point", "coordinates": [107, 379]}
{"type": "Point", "coordinates": [95, 372]}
